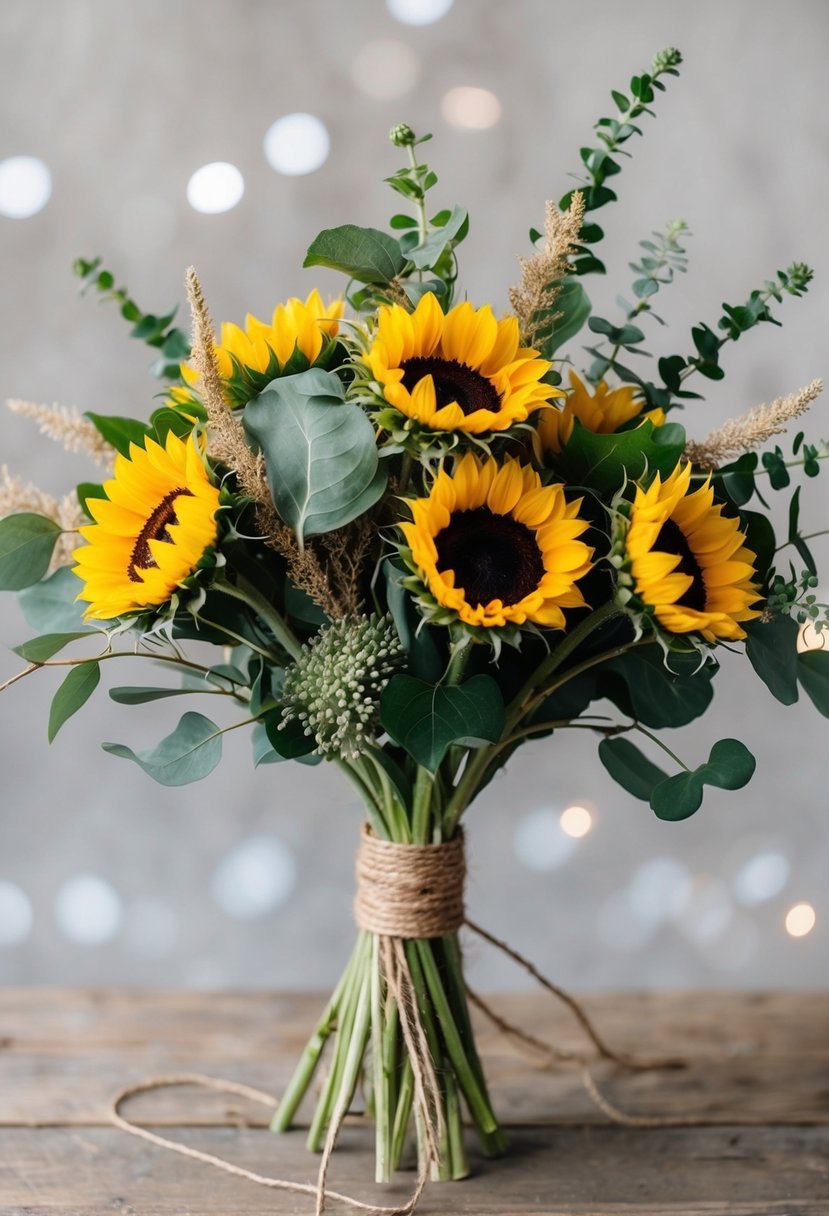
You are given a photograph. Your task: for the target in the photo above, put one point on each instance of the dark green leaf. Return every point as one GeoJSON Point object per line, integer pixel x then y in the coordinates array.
{"type": "Point", "coordinates": [771, 647]}
{"type": "Point", "coordinates": [813, 673]}
{"type": "Point", "coordinates": [320, 452]}
{"type": "Point", "coordinates": [288, 738]}
{"type": "Point", "coordinates": [574, 305]}
{"type": "Point", "coordinates": [38, 650]}
{"type": "Point", "coordinates": [119, 432]}
{"type": "Point", "coordinates": [187, 754]}
{"type": "Point", "coordinates": [427, 719]}
{"type": "Point", "coordinates": [602, 462]}
{"type": "Point", "coordinates": [26, 545]}
{"type": "Point", "coordinates": [730, 766]}
{"type": "Point", "coordinates": [87, 490]}
{"type": "Point", "coordinates": [74, 692]}
{"type": "Point", "coordinates": [660, 697]}
{"type": "Point", "coordinates": [128, 695]}
{"type": "Point", "coordinates": [629, 768]}
{"type": "Point", "coordinates": [366, 254]}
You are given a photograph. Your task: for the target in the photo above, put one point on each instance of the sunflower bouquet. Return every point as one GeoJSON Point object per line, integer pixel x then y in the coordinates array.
{"type": "Point", "coordinates": [417, 535]}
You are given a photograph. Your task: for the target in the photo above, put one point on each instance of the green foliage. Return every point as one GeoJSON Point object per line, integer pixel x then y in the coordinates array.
{"type": "Point", "coordinates": [630, 768]}
{"type": "Point", "coordinates": [604, 462]}
{"type": "Point", "coordinates": [813, 673]}
{"type": "Point", "coordinates": [119, 432]}
{"type": "Point", "coordinates": [427, 719]}
{"type": "Point", "coordinates": [730, 766]}
{"type": "Point", "coordinates": [665, 691]}
{"type": "Point", "coordinates": [52, 606]}
{"type": "Point", "coordinates": [598, 163]}
{"type": "Point", "coordinates": [320, 452]}
{"type": "Point", "coordinates": [27, 542]}
{"type": "Point", "coordinates": [566, 317]}
{"type": "Point", "coordinates": [663, 259]}
{"type": "Point", "coordinates": [158, 332]}
{"type": "Point", "coordinates": [187, 754]}
{"type": "Point", "coordinates": [74, 692]}
{"type": "Point", "coordinates": [143, 695]}
{"type": "Point", "coordinates": [365, 254]}
{"type": "Point", "coordinates": [38, 650]}
{"type": "Point", "coordinates": [288, 739]}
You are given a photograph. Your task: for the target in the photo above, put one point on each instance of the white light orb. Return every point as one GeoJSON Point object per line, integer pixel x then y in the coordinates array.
{"type": "Point", "coordinates": [25, 186]}
{"type": "Point", "coordinates": [760, 878]}
{"type": "Point", "coordinates": [386, 69]}
{"type": "Point", "coordinates": [88, 910]}
{"type": "Point", "coordinates": [419, 12]}
{"type": "Point", "coordinates": [16, 916]}
{"type": "Point", "coordinates": [216, 187]}
{"type": "Point", "coordinates": [258, 876]}
{"type": "Point", "coordinates": [539, 842]}
{"type": "Point", "coordinates": [471, 108]}
{"type": "Point", "coordinates": [658, 890]}
{"type": "Point", "coordinates": [800, 920]}
{"type": "Point", "coordinates": [576, 821]}
{"type": "Point", "coordinates": [297, 144]}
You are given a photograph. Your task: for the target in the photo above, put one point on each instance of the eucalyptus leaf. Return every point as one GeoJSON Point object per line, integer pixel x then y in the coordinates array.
{"type": "Point", "coordinates": [425, 256]}
{"type": "Point", "coordinates": [52, 605]}
{"type": "Point", "coordinates": [133, 695]}
{"type": "Point", "coordinates": [38, 650]}
{"type": "Point", "coordinates": [188, 753]}
{"type": "Point", "coordinates": [366, 254]}
{"type": "Point", "coordinates": [320, 452]}
{"type": "Point", "coordinates": [730, 766]}
{"type": "Point", "coordinates": [573, 304]}
{"type": "Point", "coordinates": [27, 541]}
{"type": "Point", "coordinates": [630, 768]}
{"type": "Point", "coordinates": [426, 719]}
{"type": "Point", "coordinates": [75, 691]}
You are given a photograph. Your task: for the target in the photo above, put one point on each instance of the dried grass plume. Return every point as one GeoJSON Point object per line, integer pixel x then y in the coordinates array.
{"type": "Point", "coordinates": [750, 430]}
{"type": "Point", "coordinates": [67, 427]}
{"type": "Point", "coordinates": [533, 299]}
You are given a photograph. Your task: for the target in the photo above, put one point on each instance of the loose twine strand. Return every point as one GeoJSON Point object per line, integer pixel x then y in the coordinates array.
{"type": "Point", "coordinates": [406, 892]}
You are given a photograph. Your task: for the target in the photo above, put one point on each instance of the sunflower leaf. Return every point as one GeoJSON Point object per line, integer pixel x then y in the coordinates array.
{"type": "Point", "coordinates": [187, 754]}
{"type": "Point", "coordinates": [426, 719]}
{"type": "Point", "coordinates": [27, 541]}
{"type": "Point", "coordinates": [771, 647]}
{"type": "Point", "coordinates": [365, 254]}
{"type": "Point", "coordinates": [630, 768]}
{"type": "Point", "coordinates": [74, 692]}
{"type": "Point", "coordinates": [813, 673]}
{"type": "Point", "coordinates": [119, 432]}
{"type": "Point", "coordinates": [730, 766]}
{"type": "Point", "coordinates": [603, 462]}
{"type": "Point", "coordinates": [320, 452]}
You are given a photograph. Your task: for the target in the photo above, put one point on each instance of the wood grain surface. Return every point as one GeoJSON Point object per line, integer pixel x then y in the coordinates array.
{"type": "Point", "coordinates": [757, 1069]}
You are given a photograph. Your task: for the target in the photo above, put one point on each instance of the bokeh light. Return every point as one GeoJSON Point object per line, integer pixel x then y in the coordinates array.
{"type": "Point", "coordinates": [88, 910]}
{"type": "Point", "coordinates": [539, 842]}
{"type": "Point", "coordinates": [760, 878]}
{"type": "Point", "coordinates": [16, 916]}
{"type": "Point", "coordinates": [216, 187]}
{"type": "Point", "coordinates": [419, 12]}
{"type": "Point", "coordinates": [471, 108]}
{"type": "Point", "coordinates": [255, 878]}
{"type": "Point", "coordinates": [800, 920]}
{"type": "Point", "coordinates": [25, 186]}
{"type": "Point", "coordinates": [576, 821]}
{"type": "Point", "coordinates": [296, 144]}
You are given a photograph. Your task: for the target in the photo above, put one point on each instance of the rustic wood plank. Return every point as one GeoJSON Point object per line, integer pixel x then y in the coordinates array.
{"type": "Point", "coordinates": [753, 1058]}
{"type": "Point", "coordinates": [591, 1172]}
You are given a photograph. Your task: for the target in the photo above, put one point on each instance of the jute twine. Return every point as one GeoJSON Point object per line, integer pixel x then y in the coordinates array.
{"type": "Point", "coordinates": [406, 892]}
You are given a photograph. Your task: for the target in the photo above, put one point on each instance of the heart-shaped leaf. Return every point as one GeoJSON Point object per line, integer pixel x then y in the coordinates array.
{"type": "Point", "coordinates": [427, 719]}
{"type": "Point", "coordinates": [730, 766]}
{"type": "Point", "coordinates": [26, 544]}
{"type": "Point", "coordinates": [320, 452]}
{"type": "Point", "coordinates": [629, 768]}
{"type": "Point", "coordinates": [660, 696]}
{"type": "Point", "coordinates": [189, 753]}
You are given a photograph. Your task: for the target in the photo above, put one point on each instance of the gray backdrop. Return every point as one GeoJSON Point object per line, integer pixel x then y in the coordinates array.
{"type": "Point", "coordinates": [245, 879]}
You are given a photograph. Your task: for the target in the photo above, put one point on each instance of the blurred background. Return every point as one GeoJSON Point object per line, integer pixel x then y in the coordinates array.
{"type": "Point", "coordinates": [226, 134]}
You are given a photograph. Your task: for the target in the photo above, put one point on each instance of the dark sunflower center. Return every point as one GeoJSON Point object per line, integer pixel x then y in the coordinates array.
{"type": "Point", "coordinates": [453, 382]}
{"type": "Point", "coordinates": [671, 539]}
{"type": "Point", "coordinates": [494, 556]}
{"type": "Point", "coordinates": [156, 528]}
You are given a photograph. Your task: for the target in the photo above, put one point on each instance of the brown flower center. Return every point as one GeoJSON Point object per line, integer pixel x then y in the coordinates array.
{"type": "Point", "coordinates": [494, 556]}
{"type": "Point", "coordinates": [671, 539]}
{"type": "Point", "coordinates": [453, 382]}
{"type": "Point", "coordinates": [156, 528]}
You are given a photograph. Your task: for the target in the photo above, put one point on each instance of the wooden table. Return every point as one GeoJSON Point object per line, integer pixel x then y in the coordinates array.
{"type": "Point", "coordinates": [758, 1069]}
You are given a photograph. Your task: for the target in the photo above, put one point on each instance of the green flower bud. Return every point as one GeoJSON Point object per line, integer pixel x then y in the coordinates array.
{"type": "Point", "coordinates": [669, 58]}
{"type": "Point", "coordinates": [402, 136]}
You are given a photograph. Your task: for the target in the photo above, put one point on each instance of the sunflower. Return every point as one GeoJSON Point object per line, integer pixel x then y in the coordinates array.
{"type": "Point", "coordinates": [689, 563]}
{"type": "Point", "coordinates": [151, 530]}
{"type": "Point", "coordinates": [604, 412]}
{"type": "Point", "coordinates": [462, 372]}
{"type": "Point", "coordinates": [300, 333]}
{"type": "Point", "coordinates": [493, 547]}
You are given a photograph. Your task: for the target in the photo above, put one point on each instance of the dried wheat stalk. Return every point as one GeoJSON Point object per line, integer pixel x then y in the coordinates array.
{"type": "Point", "coordinates": [750, 430]}
{"type": "Point", "coordinates": [533, 299]}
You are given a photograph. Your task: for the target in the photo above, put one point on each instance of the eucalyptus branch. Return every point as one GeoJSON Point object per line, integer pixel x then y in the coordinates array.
{"type": "Point", "coordinates": [107, 654]}
{"type": "Point", "coordinates": [250, 595]}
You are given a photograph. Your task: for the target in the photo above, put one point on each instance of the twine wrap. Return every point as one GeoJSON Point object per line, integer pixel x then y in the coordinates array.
{"type": "Point", "coordinates": [410, 890]}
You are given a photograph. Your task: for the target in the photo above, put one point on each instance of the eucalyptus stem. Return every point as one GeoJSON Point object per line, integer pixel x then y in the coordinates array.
{"type": "Point", "coordinates": [250, 595]}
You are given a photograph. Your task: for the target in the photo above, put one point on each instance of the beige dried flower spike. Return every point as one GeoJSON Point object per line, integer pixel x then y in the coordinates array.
{"type": "Point", "coordinates": [750, 430]}
{"type": "Point", "coordinates": [67, 427]}
{"type": "Point", "coordinates": [541, 274]}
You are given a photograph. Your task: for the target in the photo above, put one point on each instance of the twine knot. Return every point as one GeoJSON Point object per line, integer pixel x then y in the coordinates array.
{"type": "Point", "coordinates": [410, 890]}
